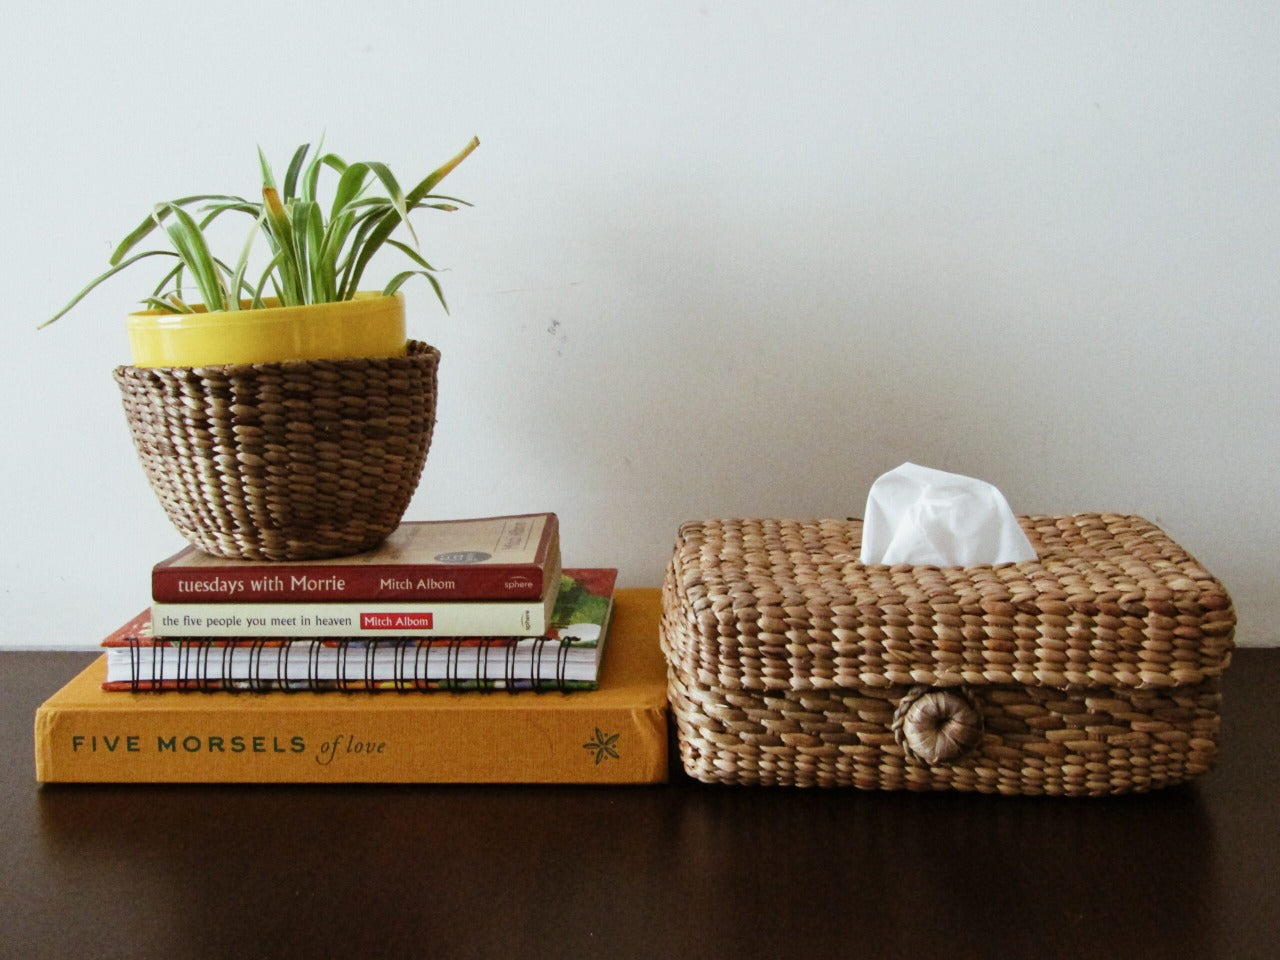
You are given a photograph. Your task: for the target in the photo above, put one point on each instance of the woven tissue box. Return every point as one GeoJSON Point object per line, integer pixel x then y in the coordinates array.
{"type": "Point", "coordinates": [1091, 670]}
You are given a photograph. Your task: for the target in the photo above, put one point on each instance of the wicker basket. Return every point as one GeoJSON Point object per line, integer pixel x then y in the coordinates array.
{"type": "Point", "coordinates": [285, 461]}
{"type": "Point", "coordinates": [1092, 670]}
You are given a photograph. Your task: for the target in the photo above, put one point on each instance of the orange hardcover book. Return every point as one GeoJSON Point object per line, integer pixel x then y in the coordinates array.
{"type": "Point", "coordinates": [614, 734]}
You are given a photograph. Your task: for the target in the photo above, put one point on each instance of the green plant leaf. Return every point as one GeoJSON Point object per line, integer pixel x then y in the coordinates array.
{"type": "Point", "coordinates": [124, 265]}
{"type": "Point", "coordinates": [144, 229]}
{"type": "Point", "coordinates": [267, 179]}
{"type": "Point", "coordinates": [411, 253]}
{"type": "Point", "coordinates": [190, 243]}
{"type": "Point", "coordinates": [291, 175]}
{"type": "Point", "coordinates": [213, 211]}
{"type": "Point", "coordinates": [318, 267]}
{"type": "Point", "coordinates": [380, 204]}
{"type": "Point", "coordinates": [279, 229]}
{"type": "Point", "coordinates": [350, 186]}
{"type": "Point", "coordinates": [237, 275]}
{"type": "Point", "coordinates": [336, 232]}
{"type": "Point", "coordinates": [387, 223]}
{"type": "Point", "coordinates": [449, 200]}
{"type": "Point", "coordinates": [394, 194]}
{"type": "Point", "coordinates": [429, 182]}
{"type": "Point", "coordinates": [174, 276]}
{"type": "Point", "coordinates": [299, 218]}
{"type": "Point", "coordinates": [399, 279]}
{"type": "Point", "coordinates": [311, 178]}
{"type": "Point", "coordinates": [171, 304]}
{"type": "Point", "coordinates": [366, 224]}
{"type": "Point", "coordinates": [269, 276]}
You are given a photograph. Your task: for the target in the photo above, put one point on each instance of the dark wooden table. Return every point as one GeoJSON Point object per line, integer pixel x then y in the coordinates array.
{"type": "Point", "coordinates": [669, 872]}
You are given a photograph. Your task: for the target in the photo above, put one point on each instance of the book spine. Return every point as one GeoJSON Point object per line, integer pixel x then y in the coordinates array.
{"type": "Point", "coordinates": [405, 619]}
{"type": "Point", "coordinates": [287, 584]}
{"type": "Point", "coordinates": [374, 738]}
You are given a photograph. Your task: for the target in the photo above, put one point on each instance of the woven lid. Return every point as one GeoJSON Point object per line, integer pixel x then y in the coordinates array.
{"type": "Point", "coordinates": [1111, 601]}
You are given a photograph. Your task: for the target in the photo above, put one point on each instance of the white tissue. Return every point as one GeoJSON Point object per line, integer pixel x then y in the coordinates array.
{"type": "Point", "coordinates": [921, 516]}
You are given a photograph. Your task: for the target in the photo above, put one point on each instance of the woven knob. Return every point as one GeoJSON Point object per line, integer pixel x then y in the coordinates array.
{"type": "Point", "coordinates": [936, 726]}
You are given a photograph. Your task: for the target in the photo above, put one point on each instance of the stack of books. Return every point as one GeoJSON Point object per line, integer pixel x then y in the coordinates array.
{"type": "Point", "coordinates": [455, 604]}
{"type": "Point", "coordinates": [296, 666]}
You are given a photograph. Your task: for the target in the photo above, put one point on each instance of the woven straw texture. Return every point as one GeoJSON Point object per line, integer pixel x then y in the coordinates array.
{"type": "Point", "coordinates": [1091, 670]}
{"type": "Point", "coordinates": [285, 461]}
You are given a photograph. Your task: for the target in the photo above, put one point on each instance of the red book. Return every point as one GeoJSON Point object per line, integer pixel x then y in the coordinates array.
{"type": "Point", "coordinates": [488, 558]}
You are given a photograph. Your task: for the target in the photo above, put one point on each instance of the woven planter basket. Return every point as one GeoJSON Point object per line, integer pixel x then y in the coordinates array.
{"type": "Point", "coordinates": [1092, 670]}
{"type": "Point", "coordinates": [285, 461]}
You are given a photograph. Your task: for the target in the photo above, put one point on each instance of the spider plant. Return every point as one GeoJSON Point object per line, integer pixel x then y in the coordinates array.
{"type": "Point", "coordinates": [318, 251]}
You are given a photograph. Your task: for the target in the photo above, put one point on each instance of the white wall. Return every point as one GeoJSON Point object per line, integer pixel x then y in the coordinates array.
{"type": "Point", "coordinates": [726, 259]}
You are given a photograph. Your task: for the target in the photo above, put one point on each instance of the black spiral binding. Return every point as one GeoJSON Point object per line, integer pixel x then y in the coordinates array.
{"type": "Point", "coordinates": [538, 646]}
{"type": "Point", "coordinates": [398, 667]}
{"type": "Point", "coordinates": [406, 675]}
{"type": "Point", "coordinates": [227, 652]}
{"type": "Point", "coordinates": [182, 669]}
{"type": "Point", "coordinates": [482, 664]}
{"type": "Point", "coordinates": [282, 665]}
{"type": "Point", "coordinates": [256, 682]}
{"type": "Point", "coordinates": [203, 682]}
{"type": "Point", "coordinates": [340, 671]}
{"type": "Point", "coordinates": [423, 655]}
{"type": "Point", "coordinates": [453, 664]}
{"type": "Point", "coordinates": [370, 655]}
{"type": "Point", "coordinates": [135, 664]}
{"type": "Point", "coordinates": [562, 665]}
{"type": "Point", "coordinates": [509, 668]}
{"type": "Point", "coordinates": [313, 666]}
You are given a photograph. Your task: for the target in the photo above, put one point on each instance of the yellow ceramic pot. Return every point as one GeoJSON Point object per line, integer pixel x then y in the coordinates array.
{"type": "Point", "coordinates": [371, 325]}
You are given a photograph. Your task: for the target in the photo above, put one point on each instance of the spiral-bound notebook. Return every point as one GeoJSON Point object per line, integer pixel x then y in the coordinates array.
{"type": "Point", "coordinates": [568, 657]}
